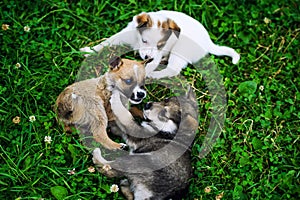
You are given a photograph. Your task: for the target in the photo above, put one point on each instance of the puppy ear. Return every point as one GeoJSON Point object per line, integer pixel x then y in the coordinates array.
{"type": "Point", "coordinates": [115, 63]}
{"type": "Point", "coordinates": [174, 27]}
{"type": "Point", "coordinates": [64, 110]}
{"type": "Point", "coordinates": [143, 20]}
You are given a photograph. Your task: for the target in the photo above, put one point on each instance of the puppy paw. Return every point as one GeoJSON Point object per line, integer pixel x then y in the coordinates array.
{"type": "Point", "coordinates": [123, 146]}
{"type": "Point", "coordinates": [165, 73]}
{"type": "Point", "coordinates": [156, 75]}
{"type": "Point", "coordinates": [106, 168]}
{"type": "Point", "coordinates": [151, 75]}
{"type": "Point", "coordinates": [150, 67]}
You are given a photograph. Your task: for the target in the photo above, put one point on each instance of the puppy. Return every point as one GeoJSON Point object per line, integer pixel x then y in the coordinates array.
{"type": "Point", "coordinates": [158, 167]}
{"type": "Point", "coordinates": [85, 105]}
{"type": "Point", "coordinates": [167, 35]}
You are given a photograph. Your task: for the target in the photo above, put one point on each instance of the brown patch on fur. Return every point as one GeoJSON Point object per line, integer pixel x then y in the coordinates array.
{"type": "Point", "coordinates": [168, 27]}
{"type": "Point", "coordinates": [135, 112]}
{"type": "Point", "coordinates": [165, 25]}
{"type": "Point", "coordinates": [144, 20]}
{"type": "Point", "coordinates": [171, 25]}
{"type": "Point", "coordinates": [158, 24]}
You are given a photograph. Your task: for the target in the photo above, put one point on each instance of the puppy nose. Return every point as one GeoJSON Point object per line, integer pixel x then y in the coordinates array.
{"type": "Point", "coordinates": [140, 95]}
{"type": "Point", "coordinates": [146, 57]}
{"type": "Point", "coordinates": [148, 106]}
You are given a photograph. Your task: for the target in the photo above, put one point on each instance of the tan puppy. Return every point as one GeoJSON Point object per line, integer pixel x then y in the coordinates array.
{"type": "Point", "coordinates": [85, 105]}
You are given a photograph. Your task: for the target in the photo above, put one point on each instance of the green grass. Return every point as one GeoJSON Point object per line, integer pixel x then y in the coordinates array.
{"type": "Point", "coordinates": [257, 155]}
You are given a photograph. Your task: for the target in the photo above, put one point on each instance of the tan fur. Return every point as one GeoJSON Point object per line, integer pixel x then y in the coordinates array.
{"type": "Point", "coordinates": [85, 105]}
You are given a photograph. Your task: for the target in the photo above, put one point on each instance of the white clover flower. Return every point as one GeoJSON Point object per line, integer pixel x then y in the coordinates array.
{"type": "Point", "coordinates": [71, 172]}
{"type": "Point", "coordinates": [48, 139]}
{"type": "Point", "coordinates": [114, 188]}
{"type": "Point", "coordinates": [267, 20]}
{"type": "Point", "coordinates": [16, 120]}
{"type": "Point", "coordinates": [261, 88]}
{"type": "Point", "coordinates": [220, 196]}
{"type": "Point", "coordinates": [5, 27]}
{"type": "Point", "coordinates": [91, 169]}
{"type": "Point", "coordinates": [207, 189]}
{"type": "Point", "coordinates": [18, 65]}
{"type": "Point", "coordinates": [26, 28]}
{"type": "Point", "coordinates": [32, 118]}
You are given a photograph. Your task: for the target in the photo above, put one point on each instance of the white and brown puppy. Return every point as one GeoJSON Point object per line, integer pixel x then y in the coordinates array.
{"type": "Point", "coordinates": [85, 105]}
{"type": "Point", "coordinates": [169, 35]}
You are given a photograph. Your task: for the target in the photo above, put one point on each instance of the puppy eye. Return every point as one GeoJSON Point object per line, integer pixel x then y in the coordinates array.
{"type": "Point", "coordinates": [128, 81]}
{"type": "Point", "coordinates": [144, 41]}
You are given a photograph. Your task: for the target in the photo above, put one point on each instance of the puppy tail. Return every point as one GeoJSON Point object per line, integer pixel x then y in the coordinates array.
{"type": "Point", "coordinates": [224, 51]}
{"type": "Point", "coordinates": [98, 159]}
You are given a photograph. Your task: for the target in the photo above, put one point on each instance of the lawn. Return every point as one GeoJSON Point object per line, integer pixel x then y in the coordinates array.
{"type": "Point", "coordinates": [257, 155]}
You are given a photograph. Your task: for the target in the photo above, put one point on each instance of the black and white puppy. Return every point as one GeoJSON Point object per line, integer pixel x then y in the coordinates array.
{"type": "Point", "coordinates": [169, 35]}
{"type": "Point", "coordinates": [159, 165]}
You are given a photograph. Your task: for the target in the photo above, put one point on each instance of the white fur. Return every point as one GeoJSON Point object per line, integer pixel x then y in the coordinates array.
{"type": "Point", "coordinates": [192, 45]}
{"type": "Point", "coordinates": [135, 69]}
{"type": "Point", "coordinates": [141, 192]}
{"type": "Point", "coordinates": [74, 96]}
{"type": "Point", "coordinates": [148, 127]}
{"type": "Point", "coordinates": [169, 126]}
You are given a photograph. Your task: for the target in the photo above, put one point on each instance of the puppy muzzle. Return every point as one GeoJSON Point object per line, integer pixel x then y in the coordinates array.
{"type": "Point", "coordinates": [137, 96]}
{"type": "Point", "coordinates": [147, 53]}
